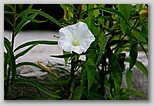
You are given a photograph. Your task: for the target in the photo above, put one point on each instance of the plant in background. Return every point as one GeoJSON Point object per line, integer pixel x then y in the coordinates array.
{"type": "Point", "coordinates": [117, 28]}
{"type": "Point", "coordinates": [100, 32]}
{"type": "Point", "coordinates": [11, 77]}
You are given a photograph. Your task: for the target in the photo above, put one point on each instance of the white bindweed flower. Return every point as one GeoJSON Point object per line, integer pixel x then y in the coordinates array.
{"type": "Point", "coordinates": [75, 38]}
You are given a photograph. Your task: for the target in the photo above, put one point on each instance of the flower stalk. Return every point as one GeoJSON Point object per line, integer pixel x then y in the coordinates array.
{"type": "Point", "coordinates": [72, 71]}
{"type": "Point", "coordinates": [14, 25]}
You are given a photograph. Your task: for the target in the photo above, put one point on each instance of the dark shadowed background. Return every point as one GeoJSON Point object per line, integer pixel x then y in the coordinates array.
{"type": "Point", "coordinates": [52, 9]}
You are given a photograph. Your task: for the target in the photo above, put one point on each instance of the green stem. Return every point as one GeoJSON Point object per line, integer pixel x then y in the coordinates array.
{"type": "Point", "coordinates": [80, 10]}
{"type": "Point", "coordinates": [70, 82]}
{"type": "Point", "coordinates": [7, 83]}
{"type": "Point", "coordinates": [9, 69]}
{"type": "Point", "coordinates": [14, 24]}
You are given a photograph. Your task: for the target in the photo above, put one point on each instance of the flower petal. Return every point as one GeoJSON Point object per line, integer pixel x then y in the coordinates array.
{"type": "Point", "coordinates": [66, 46]}
{"type": "Point", "coordinates": [75, 38]}
{"type": "Point", "coordinates": [81, 28]}
{"type": "Point", "coordinates": [78, 50]}
{"type": "Point", "coordinates": [66, 32]}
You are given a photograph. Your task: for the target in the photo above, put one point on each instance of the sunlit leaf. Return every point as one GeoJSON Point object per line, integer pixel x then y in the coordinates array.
{"type": "Point", "coordinates": [125, 9]}
{"type": "Point", "coordinates": [77, 93]}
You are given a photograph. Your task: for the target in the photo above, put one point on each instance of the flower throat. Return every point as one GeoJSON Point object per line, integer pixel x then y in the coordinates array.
{"type": "Point", "coordinates": [75, 43]}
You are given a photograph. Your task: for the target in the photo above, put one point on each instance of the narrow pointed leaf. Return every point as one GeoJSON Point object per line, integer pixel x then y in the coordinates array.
{"type": "Point", "coordinates": [23, 21]}
{"type": "Point", "coordinates": [24, 52]}
{"type": "Point", "coordinates": [102, 48]}
{"type": "Point", "coordinates": [36, 42]}
{"type": "Point", "coordinates": [37, 85]}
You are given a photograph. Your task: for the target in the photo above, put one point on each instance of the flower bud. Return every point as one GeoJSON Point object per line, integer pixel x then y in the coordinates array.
{"type": "Point", "coordinates": [143, 14]}
{"type": "Point", "coordinates": [67, 15]}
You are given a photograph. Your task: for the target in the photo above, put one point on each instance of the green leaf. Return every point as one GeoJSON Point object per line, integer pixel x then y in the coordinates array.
{"type": "Point", "coordinates": [116, 71]}
{"type": "Point", "coordinates": [10, 6]}
{"type": "Point", "coordinates": [77, 93]}
{"type": "Point", "coordinates": [90, 68]}
{"type": "Point", "coordinates": [102, 48]}
{"type": "Point", "coordinates": [24, 52]}
{"type": "Point", "coordinates": [95, 87]}
{"type": "Point", "coordinates": [6, 62]}
{"type": "Point", "coordinates": [133, 54]}
{"type": "Point", "coordinates": [69, 6]}
{"type": "Point", "coordinates": [93, 96]}
{"type": "Point", "coordinates": [138, 7]}
{"type": "Point", "coordinates": [137, 93]}
{"type": "Point", "coordinates": [36, 42]}
{"type": "Point", "coordinates": [28, 63]}
{"type": "Point", "coordinates": [62, 56]}
{"type": "Point", "coordinates": [46, 15]}
{"type": "Point", "coordinates": [144, 32]}
{"type": "Point", "coordinates": [109, 10]}
{"type": "Point", "coordinates": [53, 75]}
{"type": "Point", "coordinates": [34, 20]}
{"type": "Point", "coordinates": [8, 12]}
{"type": "Point", "coordinates": [140, 36]}
{"type": "Point", "coordinates": [105, 17]}
{"type": "Point", "coordinates": [95, 12]}
{"type": "Point", "coordinates": [128, 78]}
{"type": "Point", "coordinates": [61, 68]}
{"type": "Point", "coordinates": [88, 22]}
{"type": "Point", "coordinates": [63, 82]}
{"type": "Point", "coordinates": [11, 58]}
{"type": "Point", "coordinates": [23, 21]}
{"type": "Point", "coordinates": [125, 9]}
{"type": "Point", "coordinates": [37, 85]}
{"type": "Point", "coordinates": [90, 13]}
{"type": "Point", "coordinates": [139, 65]}
{"type": "Point", "coordinates": [66, 58]}
{"type": "Point", "coordinates": [145, 51]}
{"type": "Point", "coordinates": [91, 75]}
{"type": "Point", "coordinates": [8, 20]}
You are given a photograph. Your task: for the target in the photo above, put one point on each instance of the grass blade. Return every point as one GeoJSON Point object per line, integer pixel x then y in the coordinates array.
{"type": "Point", "coordinates": [36, 42]}
{"type": "Point", "coordinates": [37, 85]}
{"type": "Point", "coordinates": [11, 60]}
{"type": "Point", "coordinates": [23, 21]}
{"type": "Point", "coordinates": [28, 63]}
{"type": "Point", "coordinates": [24, 52]}
{"type": "Point", "coordinates": [47, 16]}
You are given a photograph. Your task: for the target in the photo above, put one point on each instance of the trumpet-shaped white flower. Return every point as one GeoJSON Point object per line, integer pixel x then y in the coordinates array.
{"type": "Point", "coordinates": [75, 38]}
